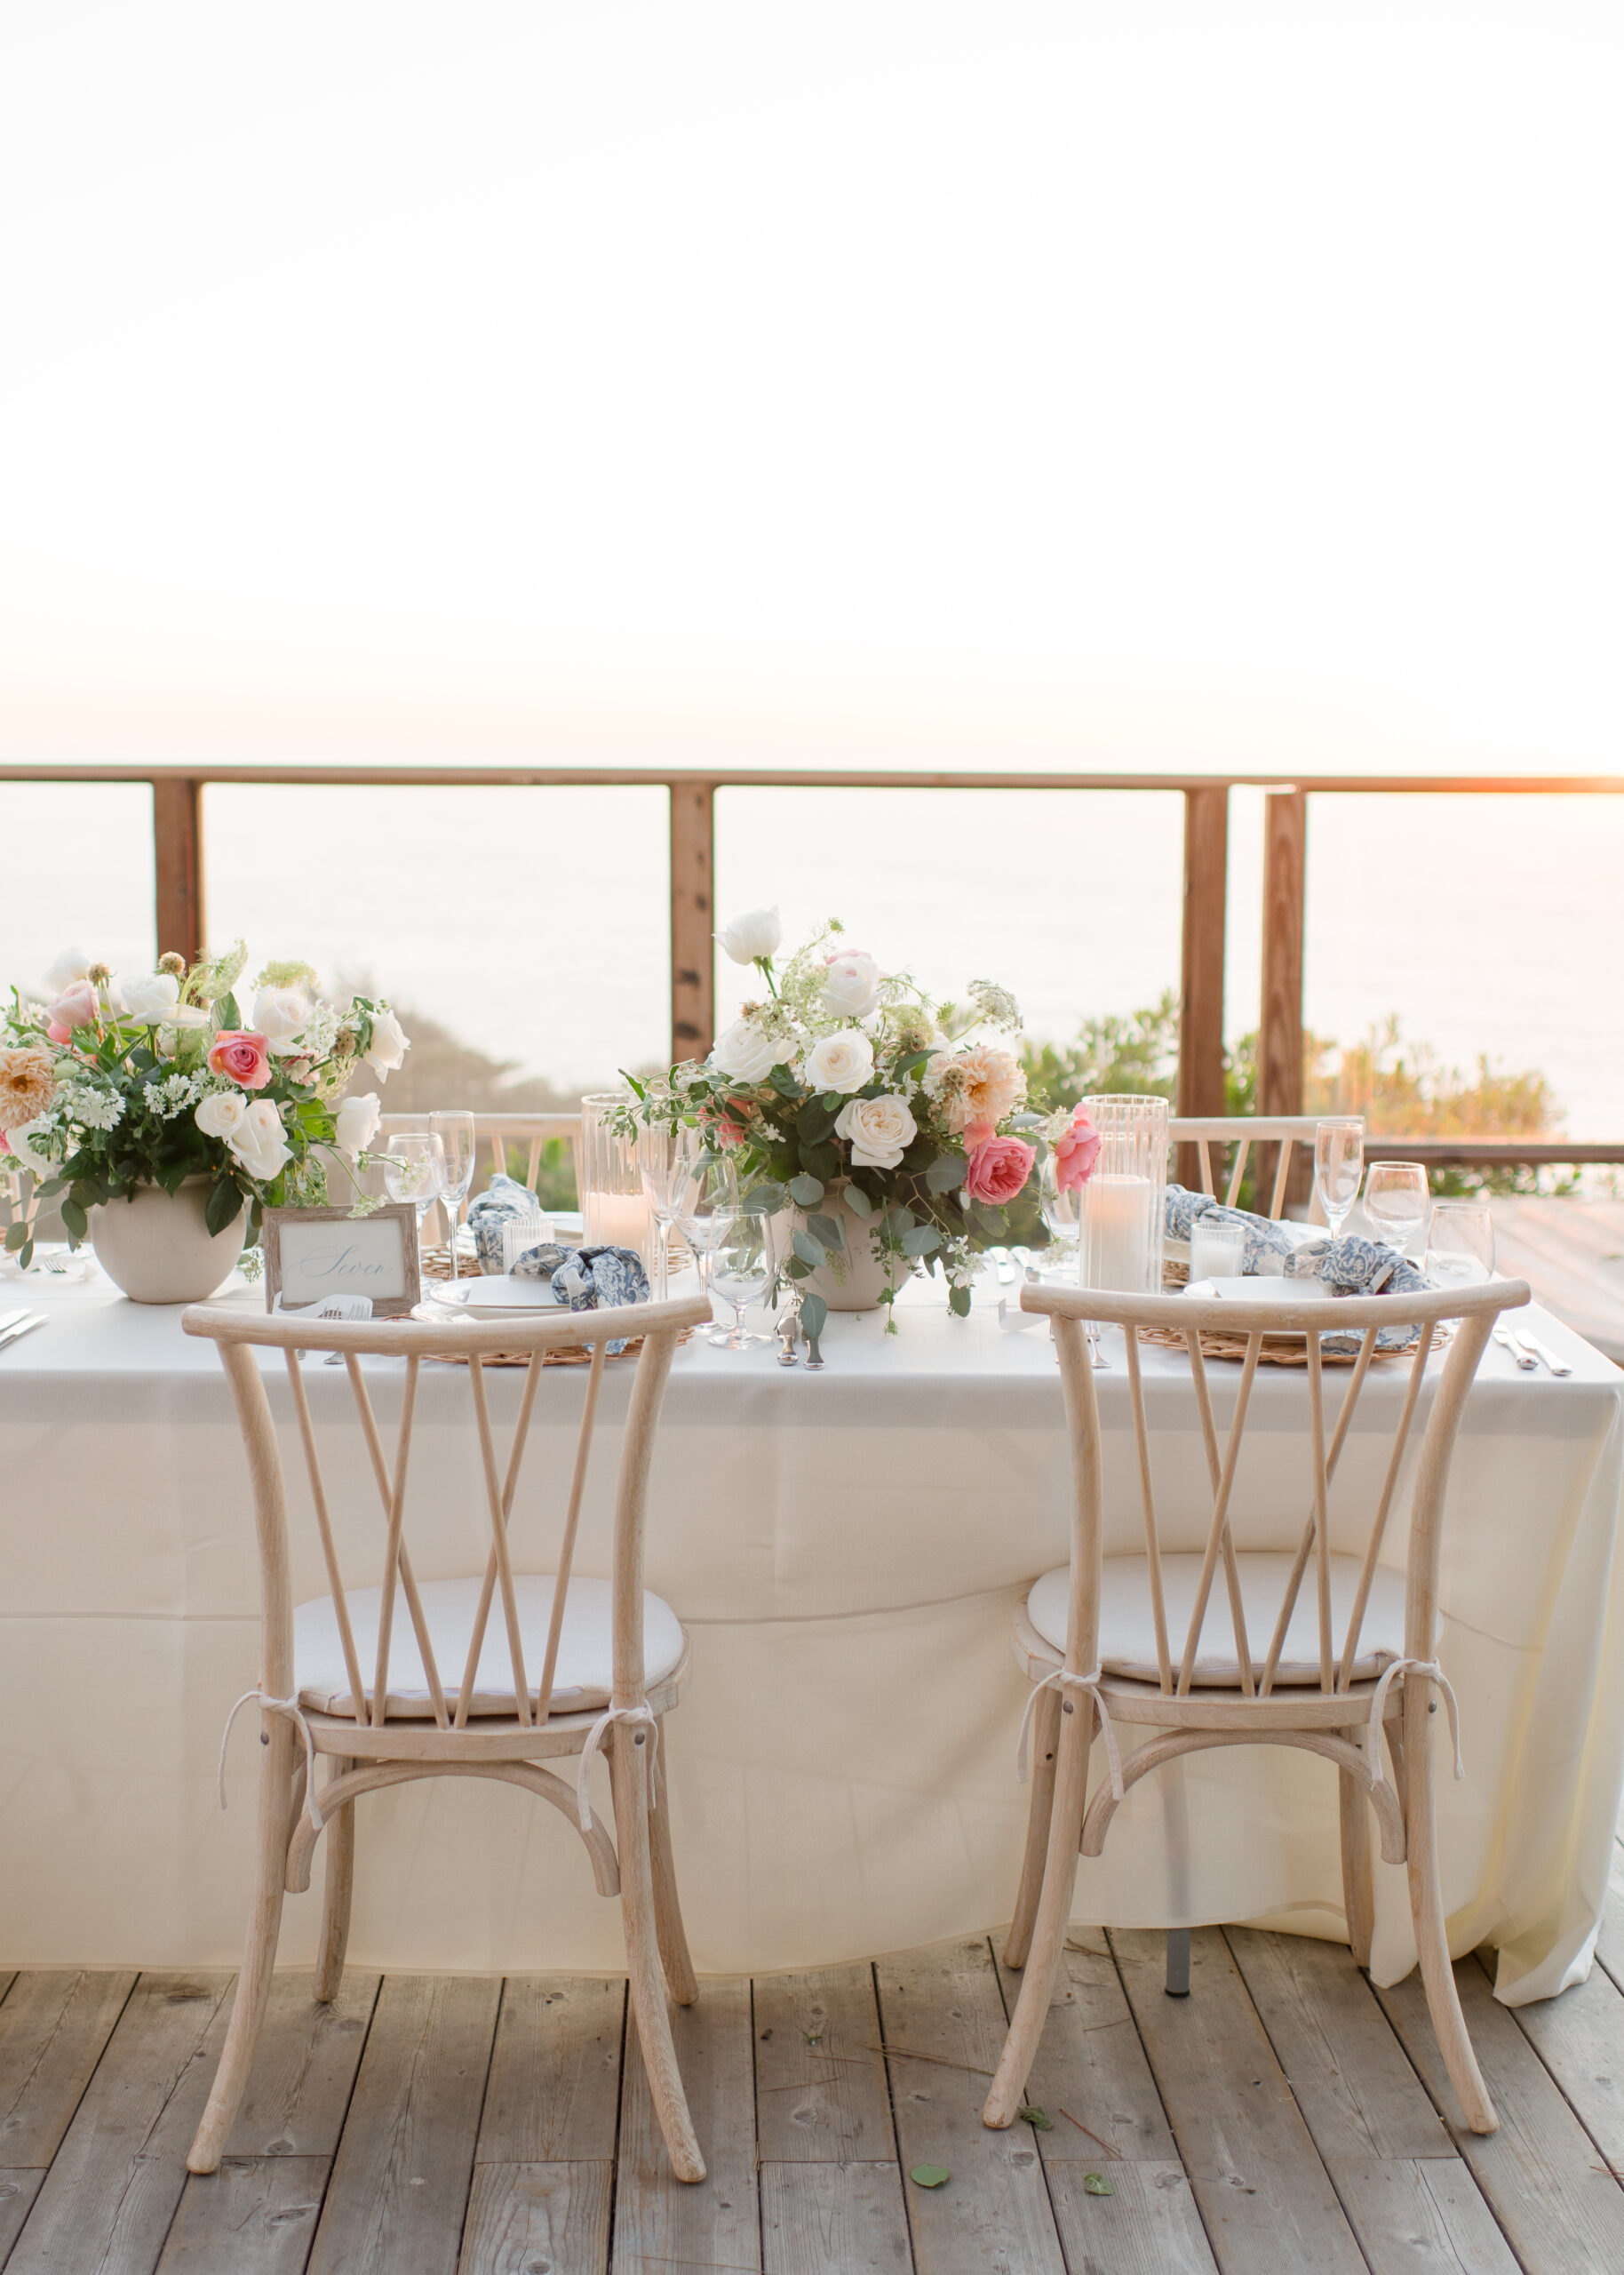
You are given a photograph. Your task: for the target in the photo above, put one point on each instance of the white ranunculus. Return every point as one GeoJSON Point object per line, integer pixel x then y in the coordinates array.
{"type": "Point", "coordinates": [259, 1143]}
{"type": "Point", "coordinates": [879, 1131]}
{"type": "Point", "coordinates": [841, 1061]}
{"type": "Point", "coordinates": [752, 938]}
{"type": "Point", "coordinates": [357, 1121]}
{"type": "Point", "coordinates": [389, 1044]}
{"type": "Point", "coordinates": [745, 1054]}
{"type": "Point", "coordinates": [23, 1153]}
{"type": "Point", "coordinates": [152, 998]}
{"type": "Point", "coordinates": [72, 964]}
{"type": "Point", "coordinates": [851, 984]}
{"type": "Point", "coordinates": [279, 1014]}
{"type": "Point", "coordinates": [221, 1114]}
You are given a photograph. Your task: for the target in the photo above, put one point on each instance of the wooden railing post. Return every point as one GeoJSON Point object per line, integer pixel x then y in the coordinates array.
{"type": "Point", "coordinates": [693, 919]}
{"type": "Point", "coordinates": [178, 864]}
{"type": "Point", "coordinates": [1279, 1051]}
{"type": "Point", "coordinates": [1207, 853]}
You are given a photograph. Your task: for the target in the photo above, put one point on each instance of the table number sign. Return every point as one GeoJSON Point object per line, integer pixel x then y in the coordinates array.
{"type": "Point", "coordinates": [312, 1253]}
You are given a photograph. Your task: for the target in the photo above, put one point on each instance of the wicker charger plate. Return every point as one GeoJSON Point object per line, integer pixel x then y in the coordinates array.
{"type": "Point", "coordinates": [1280, 1350]}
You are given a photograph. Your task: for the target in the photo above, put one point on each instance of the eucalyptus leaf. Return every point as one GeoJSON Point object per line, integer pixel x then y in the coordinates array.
{"type": "Point", "coordinates": [931, 2175]}
{"type": "Point", "coordinates": [900, 1220]}
{"type": "Point", "coordinates": [75, 1219]}
{"type": "Point", "coordinates": [25, 1255]}
{"type": "Point", "coordinates": [805, 1191]}
{"type": "Point", "coordinates": [858, 1202]}
{"type": "Point", "coordinates": [826, 1229]}
{"type": "Point", "coordinates": [795, 1269]}
{"type": "Point", "coordinates": [814, 1315]}
{"type": "Point", "coordinates": [958, 1303]}
{"type": "Point", "coordinates": [809, 1251]}
{"type": "Point", "coordinates": [768, 1196]}
{"type": "Point", "coordinates": [946, 1171]}
{"type": "Point", "coordinates": [1095, 2185]}
{"type": "Point", "coordinates": [16, 1236]}
{"type": "Point", "coordinates": [921, 1240]}
{"type": "Point", "coordinates": [224, 1207]}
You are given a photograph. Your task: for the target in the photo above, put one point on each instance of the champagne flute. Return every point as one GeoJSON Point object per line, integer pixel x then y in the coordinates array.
{"type": "Point", "coordinates": [1339, 1162]}
{"type": "Point", "coordinates": [666, 1160]}
{"type": "Point", "coordinates": [708, 1196]}
{"type": "Point", "coordinates": [414, 1171]}
{"type": "Point", "coordinates": [1062, 1215]}
{"type": "Point", "coordinates": [741, 1266]}
{"type": "Point", "coordinates": [1396, 1201]}
{"type": "Point", "coordinates": [455, 1132]}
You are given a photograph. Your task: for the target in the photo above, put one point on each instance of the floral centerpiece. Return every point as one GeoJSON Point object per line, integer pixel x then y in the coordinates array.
{"type": "Point", "coordinates": [846, 1096]}
{"type": "Point", "coordinates": [115, 1084]}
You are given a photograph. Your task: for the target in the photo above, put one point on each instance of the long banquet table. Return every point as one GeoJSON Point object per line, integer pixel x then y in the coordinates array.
{"type": "Point", "coordinates": [846, 1549]}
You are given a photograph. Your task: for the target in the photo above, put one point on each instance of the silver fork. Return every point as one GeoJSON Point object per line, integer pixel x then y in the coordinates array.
{"type": "Point", "coordinates": [1525, 1360]}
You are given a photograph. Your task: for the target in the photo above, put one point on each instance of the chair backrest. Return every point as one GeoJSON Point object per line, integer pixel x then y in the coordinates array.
{"type": "Point", "coordinates": [237, 1333]}
{"type": "Point", "coordinates": [496, 1132]}
{"type": "Point", "coordinates": [1243, 1131]}
{"type": "Point", "coordinates": [1474, 1310]}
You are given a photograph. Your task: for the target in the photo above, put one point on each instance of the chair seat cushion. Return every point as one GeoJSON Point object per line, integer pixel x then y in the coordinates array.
{"type": "Point", "coordinates": [586, 1664]}
{"type": "Point", "coordinates": [1128, 1629]}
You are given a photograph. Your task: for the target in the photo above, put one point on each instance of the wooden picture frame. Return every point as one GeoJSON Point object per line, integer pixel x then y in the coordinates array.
{"type": "Point", "coordinates": [310, 1253]}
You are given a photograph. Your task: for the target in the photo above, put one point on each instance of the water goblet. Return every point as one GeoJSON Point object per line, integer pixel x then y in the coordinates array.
{"type": "Point", "coordinates": [455, 1132]}
{"type": "Point", "coordinates": [1062, 1216]}
{"type": "Point", "coordinates": [1460, 1244]}
{"type": "Point", "coordinates": [414, 1169]}
{"type": "Point", "coordinates": [741, 1266]}
{"type": "Point", "coordinates": [1396, 1201]}
{"type": "Point", "coordinates": [1339, 1162]}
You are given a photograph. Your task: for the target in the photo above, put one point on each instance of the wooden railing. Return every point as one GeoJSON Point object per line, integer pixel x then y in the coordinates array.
{"type": "Point", "coordinates": [177, 795]}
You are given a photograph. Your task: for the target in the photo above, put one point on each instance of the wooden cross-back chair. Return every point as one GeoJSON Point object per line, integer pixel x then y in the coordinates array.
{"type": "Point", "coordinates": [1201, 1135]}
{"type": "Point", "coordinates": [1314, 1648]}
{"type": "Point", "coordinates": [489, 1676]}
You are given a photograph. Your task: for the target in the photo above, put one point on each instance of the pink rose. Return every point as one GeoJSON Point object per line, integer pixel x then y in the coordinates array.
{"type": "Point", "coordinates": [77, 1006]}
{"type": "Point", "coordinates": [1076, 1152]}
{"type": "Point", "coordinates": [241, 1054]}
{"type": "Point", "coordinates": [997, 1168]}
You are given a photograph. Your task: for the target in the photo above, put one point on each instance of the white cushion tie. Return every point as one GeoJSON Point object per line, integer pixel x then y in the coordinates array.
{"type": "Point", "coordinates": [1061, 1680]}
{"type": "Point", "coordinates": [642, 1712]}
{"type": "Point", "coordinates": [1433, 1672]}
{"type": "Point", "coordinates": [291, 1707]}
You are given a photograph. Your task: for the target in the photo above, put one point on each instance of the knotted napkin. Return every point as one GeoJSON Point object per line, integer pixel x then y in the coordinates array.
{"type": "Point", "coordinates": [503, 1201]}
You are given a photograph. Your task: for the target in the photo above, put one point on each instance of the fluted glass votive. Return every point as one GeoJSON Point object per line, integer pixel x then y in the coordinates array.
{"type": "Point", "coordinates": [1120, 1238]}
{"type": "Point", "coordinates": [615, 1212]}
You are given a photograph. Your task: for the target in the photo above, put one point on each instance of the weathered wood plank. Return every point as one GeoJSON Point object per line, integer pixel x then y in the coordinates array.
{"type": "Point", "coordinates": [1090, 2062]}
{"type": "Point", "coordinates": [1580, 2038]}
{"type": "Point", "coordinates": [993, 2217]}
{"type": "Point", "coordinates": [112, 2191]}
{"type": "Point", "coordinates": [18, 2187]}
{"type": "Point", "coordinates": [254, 2216]}
{"type": "Point", "coordinates": [53, 2026]}
{"type": "Point", "coordinates": [538, 2217]}
{"type": "Point", "coordinates": [304, 2068]}
{"type": "Point", "coordinates": [1148, 2226]}
{"type": "Point", "coordinates": [1421, 2216]}
{"type": "Point", "coordinates": [820, 2218]}
{"type": "Point", "coordinates": [1541, 2173]}
{"type": "Point", "coordinates": [821, 2092]}
{"type": "Point", "coordinates": [400, 2182]}
{"type": "Point", "coordinates": [659, 2221]}
{"type": "Point", "coordinates": [1351, 2079]}
{"type": "Point", "coordinates": [1264, 2196]}
{"type": "Point", "coordinates": [1610, 1938]}
{"type": "Point", "coordinates": [553, 2095]}
{"type": "Point", "coordinates": [8, 1975]}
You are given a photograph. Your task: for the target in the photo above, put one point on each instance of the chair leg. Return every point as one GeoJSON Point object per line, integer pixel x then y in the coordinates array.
{"type": "Point", "coordinates": [259, 1950]}
{"type": "Point", "coordinates": [1358, 1893]}
{"type": "Point", "coordinates": [1053, 1918]}
{"type": "Point", "coordinates": [339, 1882]}
{"type": "Point", "coordinates": [669, 1931]}
{"type": "Point", "coordinates": [629, 1759]}
{"type": "Point", "coordinates": [1426, 1908]}
{"type": "Point", "coordinates": [1046, 1732]}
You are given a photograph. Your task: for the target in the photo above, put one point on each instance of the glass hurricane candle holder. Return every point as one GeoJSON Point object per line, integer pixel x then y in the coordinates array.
{"type": "Point", "coordinates": [615, 1212]}
{"type": "Point", "coordinates": [1119, 1243]}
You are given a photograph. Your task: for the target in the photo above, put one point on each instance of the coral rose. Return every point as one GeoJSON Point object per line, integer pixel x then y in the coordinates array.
{"type": "Point", "coordinates": [241, 1054]}
{"type": "Point", "coordinates": [27, 1084]}
{"type": "Point", "coordinates": [1076, 1152]}
{"type": "Point", "coordinates": [997, 1169]}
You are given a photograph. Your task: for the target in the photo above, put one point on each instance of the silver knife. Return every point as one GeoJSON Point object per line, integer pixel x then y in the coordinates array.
{"type": "Point", "coordinates": [29, 1319]}
{"type": "Point", "coordinates": [1507, 1341]}
{"type": "Point", "coordinates": [1543, 1350]}
{"type": "Point", "coordinates": [11, 1319]}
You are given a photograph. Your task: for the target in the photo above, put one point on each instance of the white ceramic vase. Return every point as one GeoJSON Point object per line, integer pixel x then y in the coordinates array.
{"type": "Point", "coordinates": [157, 1248]}
{"type": "Point", "coordinates": [858, 1282]}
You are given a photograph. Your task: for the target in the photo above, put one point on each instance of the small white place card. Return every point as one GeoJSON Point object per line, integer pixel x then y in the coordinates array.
{"type": "Point", "coordinates": [313, 1253]}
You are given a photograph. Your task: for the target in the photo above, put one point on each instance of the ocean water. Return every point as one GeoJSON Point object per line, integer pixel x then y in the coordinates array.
{"type": "Point", "coordinates": [535, 922]}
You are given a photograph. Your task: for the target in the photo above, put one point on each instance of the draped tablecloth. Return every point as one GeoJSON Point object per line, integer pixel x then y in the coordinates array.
{"type": "Point", "coordinates": [846, 1549]}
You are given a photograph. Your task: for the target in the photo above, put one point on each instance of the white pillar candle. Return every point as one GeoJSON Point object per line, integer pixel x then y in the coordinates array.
{"type": "Point", "coordinates": [1116, 1245]}
{"type": "Point", "coordinates": [619, 1220]}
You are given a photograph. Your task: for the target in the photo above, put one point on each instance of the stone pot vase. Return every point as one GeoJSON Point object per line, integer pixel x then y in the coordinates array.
{"type": "Point", "coordinates": [858, 1282]}
{"type": "Point", "coordinates": [157, 1248]}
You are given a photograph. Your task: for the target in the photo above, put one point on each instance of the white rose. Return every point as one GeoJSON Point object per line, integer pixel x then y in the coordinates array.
{"type": "Point", "coordinates": [152, 998]}
{"type": "Point", "coordinates": [279, 1014]}
{"type": "Point", "coordinates": [879, 1131]}
{"type": "Point", "coordinates": [357, 1121]}
{"type": "Point", "coordinates": [851, 985]}
{"type": "Point", "coordinates": [753, 938]}
{"type": "Point", "coordinates": [222, 1114]}
{"type": "Point", "coordinates": [841, 1061]}
{"type": "Point", "coordinates": [389, 1044]}
{"type": "Point", "coordinates": [745, 1054]}
{"type": "Point", "coordinates": [72, 964]}
{"type": "Point", "coordinates": [23, 1153]}
{"type": "Point", "coordinates": [259, 1143]}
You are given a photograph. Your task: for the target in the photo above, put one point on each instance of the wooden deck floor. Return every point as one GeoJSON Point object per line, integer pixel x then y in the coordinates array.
{"type": "Point", "coordinates": [1285, 2117]}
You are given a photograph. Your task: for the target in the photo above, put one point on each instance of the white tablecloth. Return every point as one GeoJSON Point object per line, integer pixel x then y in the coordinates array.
{"type": "Point", "coordinates": [846, 1549]}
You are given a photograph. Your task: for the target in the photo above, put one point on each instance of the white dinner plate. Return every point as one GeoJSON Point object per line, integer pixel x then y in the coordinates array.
{"type": "Point", "coordinates": [1259, 1289]}
{"type": "Point", "coordinates": [493, 1295]}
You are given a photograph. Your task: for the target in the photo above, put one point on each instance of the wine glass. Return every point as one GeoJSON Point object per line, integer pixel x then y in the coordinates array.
{"type": "Point", "coordinates": [455, 1132]}
{"type": "Point", "coordinates": [1396, 1201]}
{"type": "Point", "coordinates": [1339, 1161]}
{"type": "Point", "coordinates": [1062, 1214]}
{"type": "Point", "coordinates": [667, 1161]}
{"type": "Point", "coordinates": [414, 1171]}
{"type": "Point", "coordinates": [1460, 1244]}
{"type": "Point", "coordinates": [741, 1266]}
